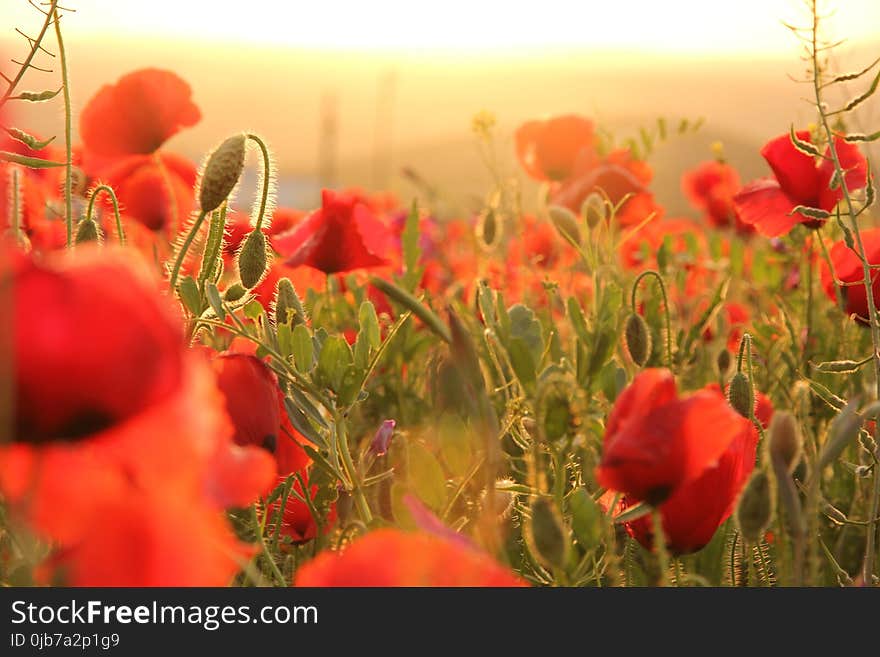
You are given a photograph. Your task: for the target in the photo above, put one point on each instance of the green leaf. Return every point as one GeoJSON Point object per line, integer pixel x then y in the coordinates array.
{"type": "Point", "coordinates": [526, 327]}
{"type": "Point", "coordinates": [578, 322]}
{"type": "Point", "coordinates": [302, 348]}
{"type": "Point", "coordinates": [37, 96]}
{"type": "Point", "coordinates": [522, 361]}
{"type": "Point", "coordinates": [213, 296]}
{"type": "Point", "coordinates": [812, 213]}
{"type": "Point", "coordinates": [28, 140]}
{"type": "Point", "coordinates": [410, 244]}
{"type": "Point", "coordinates": [843, 430]}
{"type": "Point", "coordinates": [455, 444]}
{"type": "Point", "coordinates": [253, 310]}
{"type": "Point", "coordinates": [408, 301]}
{"type": "Point", "coordinates": [333, 362]}
{"type": "Point", "coordinates": [189, 294]}
{"type": "Point", "coordinates": [860, 136]}
{"type": "Point", "coordinates": [426, 477]}
{"type": "Point", "coordinates": [369, 324]}
{"type": "Point", "coordinates": [858, 100]}
{"type": "Point", "coordinates": [285, 339]}
{"type": "Point", "coordinates": [586, 518]}
{"type": "Point", "coordinates": [640, 510]}
{"type": "Point", "coordinates": [805, 147]}
{"type": "Point", "coordinates": [301, 423]}
{"type": "Point", "coordinates": [30, 162]}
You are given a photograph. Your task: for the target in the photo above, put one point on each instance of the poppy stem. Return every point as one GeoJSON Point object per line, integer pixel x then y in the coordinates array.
{"type": "Point", "coordinates": [68, 167]}
{"type": "Point", "coordinates": [212, 246]}
{"type": "Point", "coordinates": [808, 319]}
{"type": "Point", "coordinates": [267, 554]}
{"type": "Point", "coordinates": [840, 172]}
{"type": "Point", "coordinates": [267, 178]}
{"type": "Point", "coordinates": [355, 484]}
{"type": "Point", "coordinates": [666, 312]}
{"type": "Point", "coordinates": [181, 254]}
{"type": "Point", "coordinates": [106, 189]}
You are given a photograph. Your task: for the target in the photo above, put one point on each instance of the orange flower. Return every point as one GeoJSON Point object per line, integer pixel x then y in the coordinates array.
{"type": "Point", "coordinates": [549, 150]}
{"type": "Point", "coordinates": [390, 557]}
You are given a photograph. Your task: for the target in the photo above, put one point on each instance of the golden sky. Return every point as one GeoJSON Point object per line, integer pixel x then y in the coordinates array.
{"type": "Point", "coordinates": [670, 26]}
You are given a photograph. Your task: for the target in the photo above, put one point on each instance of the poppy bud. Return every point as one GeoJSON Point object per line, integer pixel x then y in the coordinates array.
{"type": "Point", "coordinates": [234, 292]}
{"type": "Point", "coordinates": [222, 171]}
{"type": "Point", "coordinates": [785, 440]}
{"type": "Point", "coordinates": [489, 229]}
{"type": "Point", "coordinates": [87, 231]}
{"type": "Point", "coordinates": [637, 339]}
{"type": "Point", "coordinates": [565, 222]}
{"type": "Point", "coordinates": [546, 533]}
{"type": "Point", "coordinates": [288, 306]}
{"type": "Point", "coordinates": [252, 259]}
{"type": "Point", "coordinates": [382, 439]}
{"type": "Point", "coordinates": [755, 508]}
{"type": "Point", "coordinates": [593, 210]}
{"type": "Point", "coordinates": [740, 396]}
{"type": "Point", "coordinates": [723, 362]}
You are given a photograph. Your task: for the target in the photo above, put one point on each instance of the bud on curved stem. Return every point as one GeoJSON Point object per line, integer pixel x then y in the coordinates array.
{"type": "Point", "coordinates": [221, 172]}
{"type": "Point", "coordinates": [90, 212]}
{"type": "Point", "coordinates": [637, 339]}
{"type": "Point", "coordinates": [87, 231]}
{"type": "Point", "coordinates": [666, 312]}
{"type": "Point", "coordinates": [252, 259]}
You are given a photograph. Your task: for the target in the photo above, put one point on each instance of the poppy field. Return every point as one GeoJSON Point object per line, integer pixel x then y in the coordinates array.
{"type": "Point", "coordinates": [203, 388]}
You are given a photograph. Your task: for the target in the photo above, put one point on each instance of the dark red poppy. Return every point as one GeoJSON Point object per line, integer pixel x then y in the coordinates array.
{"type": "Point", "coordinates": [548, 150]}
{"type": "Point", "coordinates": [797, 180]}
{"type": "Point", "coordinates": [390, 557]}
{"type": "Point", "coordinates": [656, 441]}
{"type": "Point", "coordinates": [297, 521]}
{"type": "Point", "coordinates": [138, 114]}
{"type": "Point", "coordinates": [343, 234]}
{"type": "Point", "coordinates": [618, 176]}
{"type": "Point", "coordinates": [250, 390]}
{"type": "Point", "coordinates": [710, 187]}
{"type": "Point", "coordinates": [692, 514]}
{"type": "Point", "coordinates": [848, 270]}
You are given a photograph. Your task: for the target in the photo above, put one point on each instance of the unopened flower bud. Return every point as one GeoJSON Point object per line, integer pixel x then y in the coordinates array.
{"type": "Point", "coordinates": [87, 231]}
{"type": "Point", "coordinates": [755, 508]}
{"type": "Point", "coordinates": [234, 292]}
{"type": "Point", "coordinates": [565, 221]}
{"type": "Point", "coordinates": [288, 306]}
{"type": "Point", "coordinates": [785, 440]}
{"type": "Point", "coordinates": [637, 339]}
{"type": "Point", "coordinates": [222, 171]}
{"type": "Point", "coordinates": [252, 259]}
{"type": "Point", "coordinates": [740, 396]}
{"type": "Point", "coordinates": [723, 362]}
{"type": "Point", "coordinates": [593, 210]}
{"type": "Point", "coordinates": [382, 439]}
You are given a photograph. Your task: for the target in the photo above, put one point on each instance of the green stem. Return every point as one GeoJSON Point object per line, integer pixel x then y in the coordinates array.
{"type": "Point", "coordinates": [181, 254]}
{"type": "Point", "coordinates": [267, 554]}
{"type": "Point", "coordinates": [355, 484]}
{"type": "Point", "coordinates": [35, 47]}
{"type": "Point", "coordinates": [666, 313]}
{"type": "Point", "coordinates": [267, 179]}
{"type": "Point", "coordinates": [808, 320]}
{"type": "Point", "coordinates": [68, 129]}
{"type": "Point", "coordinates": [109, 192]}
{"type": "Point", "coordinates": [868, 565]}
{"type": "Point", "coordinates": [212, 246]}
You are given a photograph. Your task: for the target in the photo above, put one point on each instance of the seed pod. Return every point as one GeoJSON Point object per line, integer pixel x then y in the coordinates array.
{"type": "Point", "coordinates": [637, 339]}
{"type": "Point", "coordinates": [786, 441]}
{"type": "Point", "coordinates": [288, 306]}
{"type": "Point", "coordinates": [87, 231]}
{"type": "Point", "coordinates": [755, 507]}
{"type": "Point", "coordinates": [222, 171]}
{"type": "Point", "coordinates": [252, 259]}
{"type": "Point", "coordinates": [723, 362]}
{"type": "Point", "coordinates": [593, 210]}
{"type": "Point", "coordinates": [565, 221]}
{"type": "Point", "coordinates": [546, 533]}
{"type": "Point", "coordinates": [740, 396]}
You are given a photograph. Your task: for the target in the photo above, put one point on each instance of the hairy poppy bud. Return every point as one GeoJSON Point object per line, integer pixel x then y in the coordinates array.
{"type": "Point", "coordinates": [252, 259]}
{"type": "Point", "coordinates": [723, 362]}
{"type": "Point", "coordinates": [87, 231]}
{"type": "Point", "coordinates": [593, 210]}
{"type": "Point", "coordinates": [637, 339]}
{"type": "Point", "coordinates": [234, 292]}
{"type": "Point", "coordinates": [489, 229]}
{"type": "Point", "coordinates": [546, 533]}
{"type": "Point", "coordinates": [565, 221]}
{"type": "Point", "coordinates": [740, 396]}
{"type": "Point", "coordinates": [222, 171]}
{"type": "Point", "coordinates": [755, 508]}
{"type": "Point", "coordinates": [288, 306]}
{"type": "Point", "coordinates": [785, 440]}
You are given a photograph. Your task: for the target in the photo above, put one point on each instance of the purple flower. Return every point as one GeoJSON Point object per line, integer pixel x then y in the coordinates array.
{"type": "Point", "coordinates": [382, 438]}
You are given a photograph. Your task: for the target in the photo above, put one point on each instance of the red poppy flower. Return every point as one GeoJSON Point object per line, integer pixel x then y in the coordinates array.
{"type": "Point", "coordinates": [549, 149]}
{"type": "Point", "coordinates": [848, 270]}
{"type": "Point", "coordinates": [618, 175]}
{"type": "Point", "coordinates": [710, 187]}
{"type": "Point", "coordinates": [656, 441]}
{"type": "Point", "coordinates": [692, 514]}
{"type": "Point", "coordinates": [797, 180]}
{"type": "Point", "coordinates": [343, 234]}
{"type": "Point", "coordinates": [390, 557]}
{"type": "Point", "coordinates": [297, 521]}
{"type": "Point", "coordinates": [138, 114]}
{"type": "Point", "coordinates": [250, 389]}
{"type": "Point", "coordinates": [736, 317]}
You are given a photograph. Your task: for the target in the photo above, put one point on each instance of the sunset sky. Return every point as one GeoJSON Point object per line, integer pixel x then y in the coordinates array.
{"type": "Point", "coordinates": [690, 26]}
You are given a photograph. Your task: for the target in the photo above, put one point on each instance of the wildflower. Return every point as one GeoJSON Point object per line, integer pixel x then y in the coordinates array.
{"type": "Point", "coordinates": [847, 268]}
{"type": "Point", "coordinates": [548, 150]}
{"type": "Point", "coordinates": [710, 187]}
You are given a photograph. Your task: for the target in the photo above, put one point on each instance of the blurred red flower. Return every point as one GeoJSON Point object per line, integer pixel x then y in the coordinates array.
{"type": "Point", "coordinates": [710, 187]}
{"type": "Point", "coordinates": [692, 514]}
{"type": "Point", "coordinates": [548, 150]}
{"type": "Point", "coordinates": [848, 269]}
{"type": "Point", "coordinates": [297, 521]}
{"type": "Point", "coordinates": [123, 126]}
{"type": "Point", "coordinates": [797, 180]}
{"type": "Point", "coordinates": [343, 234]}
{"type": "Point", "coordinates": [656, 441]}
{"type": "Point", "coordinates": [250, 390]}
{"type": "Point", "coordinates": [390, 557]}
